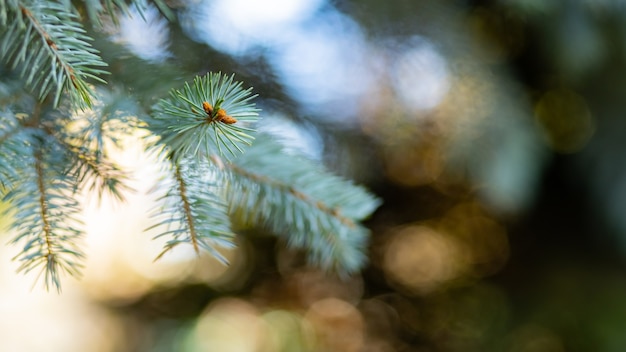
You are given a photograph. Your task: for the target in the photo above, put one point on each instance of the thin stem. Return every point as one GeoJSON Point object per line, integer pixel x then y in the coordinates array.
{"type": "Point", "coordinates": [291, 190]}
{"type": "Point", "coordinates": [52, 47]}
{"type": "Point", "coordinates": [43, 206]}
{"type": "Point", "coordinates": [187, 207]}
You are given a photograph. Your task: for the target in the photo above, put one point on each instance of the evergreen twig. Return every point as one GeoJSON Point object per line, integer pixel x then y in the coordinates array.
{"type": "Point", "coordinates": [295, 198]}
{"type": "Point", "coordinates": [47, 225]}
{"type": "Point", "coordinates": [191, 210]}
{"type": "Point", "coordinates": [46, 40]}
{"type": "Point", "coordinates": [192, 121]}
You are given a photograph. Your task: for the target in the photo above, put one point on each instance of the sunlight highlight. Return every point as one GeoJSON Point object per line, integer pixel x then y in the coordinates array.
{"type": "Point", "coordinates": [420, 76]}
{"type": "Point", "coordinates": [145, 34]}
{"type": "Point", "coordinates": [240, 25]}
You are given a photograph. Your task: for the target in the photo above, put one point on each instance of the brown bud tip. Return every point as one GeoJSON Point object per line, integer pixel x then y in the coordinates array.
{"type": "Point", "coordinates": [227, 119]}
{"type": "Point", "coordinates": [207, 107]}
{"type": "Point", "coordinates": [222, 117]}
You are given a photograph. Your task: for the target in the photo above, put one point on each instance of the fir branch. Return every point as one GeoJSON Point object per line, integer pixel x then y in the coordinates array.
{"type": "Point", "coordinates": [86, 143]}
{"type": "Point", "coordinates": [47, 41]}
{"type": "Point", "coordinates": [192, 210]}
{"type": "Point", "coordinates": [45, 214]}
{"type": "Point", "coordinates": [292, 196]}
{"type": "Point", "coordinates": [212, 116]}
{"type": "Point", "coordinates": [96, 173]}
{"type": "Point", "coordinates": [113, 115]}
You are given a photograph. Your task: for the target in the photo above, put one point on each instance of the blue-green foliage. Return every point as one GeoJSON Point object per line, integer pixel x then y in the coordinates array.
{"type": "Point", "coordinates": [296, 198]}
{"type": "Point", "coordinates": [45, 213]}
{"type": "Point", "coordinates": [187, 129]}
{"type": "Point", "coordinates": [49, 47]}
{"type": "Point", "coordinates": [191, 211]}
{"type": "Point", "coordinates": [55, 128]}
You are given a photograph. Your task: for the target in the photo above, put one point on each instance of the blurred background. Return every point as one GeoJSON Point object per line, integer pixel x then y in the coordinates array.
{"type": "Point", "coordinates": [493, 131]}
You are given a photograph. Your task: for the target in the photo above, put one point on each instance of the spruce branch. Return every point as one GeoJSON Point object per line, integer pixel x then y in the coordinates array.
{"type": "Point", "coordinates": [96, 173]}
{"type": "Point", "coordinates": [88, 142]}
{"type": "Point", "coordinates": [192, 210]}
{"type": "Point", "coordinates": [52, 159]}
{"type": "Point", "coordinates": [46, 216]}
{"type": "Point", "coordinates": [295, 198]}
{"type": "Point", "coordinates": [47, 41]}
{"type": "Point", "coordinates": [111, 117]}
{"type": "Point", "coordinates": [212, 116]}
{"type": "Point", "coordinates": [84, 136]}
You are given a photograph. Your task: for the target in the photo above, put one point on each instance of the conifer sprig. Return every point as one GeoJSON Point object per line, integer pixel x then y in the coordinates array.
{"type": "Point", "coordinates": [294, 197]}
{"type": "Point", "coordinates": [47, 165]}
{"type": "Point", "coordinates": [46, 214]}
{"type": "Point", "coordinates": [214, 115]}
{"type": "Point", "coordinates": [96, 173]}
{"type": "Point", "coordinates": [88, 143]}
{"type": "Point", "coordinates": [47, 44]}
{"type": "Point", "coordinates": [192, 211]}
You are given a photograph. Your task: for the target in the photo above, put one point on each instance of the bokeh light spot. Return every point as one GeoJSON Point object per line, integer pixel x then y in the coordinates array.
{"type": "Point", "coordinates": [338, 325]}
{"type": "Point", "coordinates": [421, 259]}
{"type": "Point", "coordinates": [145, 33]}
{"type": "Point", "coordinates": [325, 64]}
{"type": "Point", "coordinates": [287, 331]}
{"type": "Point", "coordinates": [420, 76]}
{"type": "Point", "coordinates": [252, 17]}
{"type": "Point", "coordinates": [230, 325]}
{"type": "Point", "coordinates": [565, 119]}
{"type": "Point", "coordinates": [237, 26]}
{"type": "Point", "coordinates": [484, 241]}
